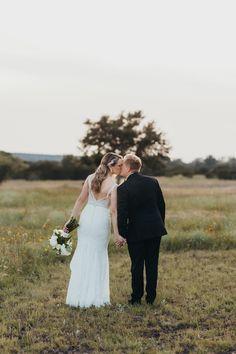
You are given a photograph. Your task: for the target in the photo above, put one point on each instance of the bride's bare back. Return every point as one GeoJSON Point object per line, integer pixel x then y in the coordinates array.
{"type": "Point", "coordinates": [106, 187]}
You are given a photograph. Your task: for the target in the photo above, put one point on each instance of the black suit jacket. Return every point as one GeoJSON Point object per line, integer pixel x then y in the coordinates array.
{"type": "Point", "coordinates": [141, 208]}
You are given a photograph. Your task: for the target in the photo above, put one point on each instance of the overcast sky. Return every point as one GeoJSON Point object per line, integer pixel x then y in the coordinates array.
{"type": "Point", "coordinates": [64, 61]}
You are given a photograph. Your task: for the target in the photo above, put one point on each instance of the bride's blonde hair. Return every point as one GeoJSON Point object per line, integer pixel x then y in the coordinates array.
{"type": "Point", "coordinates": [108, 160]}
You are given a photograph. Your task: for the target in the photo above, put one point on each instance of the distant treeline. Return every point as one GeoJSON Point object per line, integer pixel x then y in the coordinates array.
{"type": "Point", "coordinates": [124, 133]}
{"type": "Point", "coordinates": [72, 167]}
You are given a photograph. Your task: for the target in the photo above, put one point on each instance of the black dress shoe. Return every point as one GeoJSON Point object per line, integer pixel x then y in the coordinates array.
{"type": "Point", "coordinates": [134, 302]}
{"type": "Point", "coordinates": [149, 302]}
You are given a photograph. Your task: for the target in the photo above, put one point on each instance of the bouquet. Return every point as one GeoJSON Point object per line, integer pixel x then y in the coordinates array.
{"type": "Point", "coordinates": [61, 239]}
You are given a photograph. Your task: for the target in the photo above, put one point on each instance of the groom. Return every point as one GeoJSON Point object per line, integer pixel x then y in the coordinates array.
{"type": "Point", "coordinates": [141, 222]}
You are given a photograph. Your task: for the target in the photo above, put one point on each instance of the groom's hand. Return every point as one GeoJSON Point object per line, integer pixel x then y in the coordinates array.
{"type": "Point", "coordinates": [120, 241]}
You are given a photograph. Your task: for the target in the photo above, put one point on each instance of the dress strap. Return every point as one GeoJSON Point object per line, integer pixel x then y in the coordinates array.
{"type": "Point", "coordinates": [89, 179]}
{"type": "Point", "coordinates": [88, 182]}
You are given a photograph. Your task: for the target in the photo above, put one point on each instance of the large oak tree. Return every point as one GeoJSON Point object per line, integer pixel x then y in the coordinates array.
{"type": "Point", "coordinates": [123, 134]}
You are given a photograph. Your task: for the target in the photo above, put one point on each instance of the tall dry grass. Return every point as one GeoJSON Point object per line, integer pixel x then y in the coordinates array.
{"type": "Point", "coordinates": [195, 307]}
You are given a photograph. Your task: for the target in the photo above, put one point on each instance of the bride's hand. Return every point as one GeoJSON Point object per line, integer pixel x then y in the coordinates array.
{"type": "Point", "coordinates": [70, 225]}
{"type": "Point", "coordinates": [120, 241]}
{"type": "Point", "coordinates": [65, 229]}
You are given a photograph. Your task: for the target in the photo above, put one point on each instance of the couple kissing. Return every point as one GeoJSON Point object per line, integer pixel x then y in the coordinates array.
{"type": "Point", "coordinates": [136, 208]}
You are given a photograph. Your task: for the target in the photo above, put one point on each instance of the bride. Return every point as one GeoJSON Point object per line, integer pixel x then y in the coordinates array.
{"type": "Point", "coordinates": [89, 281]}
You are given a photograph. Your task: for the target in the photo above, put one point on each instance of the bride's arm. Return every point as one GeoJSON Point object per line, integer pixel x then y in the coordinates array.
{"type": "Point", "coordinates": [113, 207]}
{"type": "Point", "coordinates": [81, 200]}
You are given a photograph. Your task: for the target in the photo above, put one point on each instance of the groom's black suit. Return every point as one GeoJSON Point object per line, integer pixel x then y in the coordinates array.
{"type": "Point", "coordinates": [141, 218]}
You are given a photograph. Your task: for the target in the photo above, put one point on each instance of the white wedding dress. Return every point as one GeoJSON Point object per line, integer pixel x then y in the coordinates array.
{"type": "Point", "coordinates": [89, 281]}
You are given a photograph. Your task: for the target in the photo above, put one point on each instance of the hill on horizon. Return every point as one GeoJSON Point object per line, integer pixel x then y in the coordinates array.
{"type": "Point", "coordinates": [37, 157]}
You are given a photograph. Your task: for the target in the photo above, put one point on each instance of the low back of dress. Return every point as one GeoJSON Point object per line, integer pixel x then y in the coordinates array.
{"type": "Point", "coordinates": [103, 201]}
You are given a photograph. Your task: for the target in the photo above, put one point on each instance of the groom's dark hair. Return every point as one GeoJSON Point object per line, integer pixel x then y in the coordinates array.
{"type": "Point", "coordinates": [133, 161]}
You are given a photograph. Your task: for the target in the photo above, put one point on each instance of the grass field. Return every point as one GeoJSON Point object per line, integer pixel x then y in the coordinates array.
{"type": "Point", "coordinates": [195, 308]}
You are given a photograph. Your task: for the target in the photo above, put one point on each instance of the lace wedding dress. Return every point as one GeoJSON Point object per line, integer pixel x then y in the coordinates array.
{"type": "Point", "coordinates": [89, 281]}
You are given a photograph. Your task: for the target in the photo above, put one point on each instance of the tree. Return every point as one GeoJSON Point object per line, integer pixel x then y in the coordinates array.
{"type": "Point", "coordinates": [123, 134]}
{"type": "Point", "coordinates": [223, 170]}
{"type": "Point", "coordinates": [210, 162]}
{"type": "Point", "coordinates": [70, 166]}
{"type": "Point", "coordinates": [10, 166]}
{"type": "Point", "coordinates": [43, 170]}
{"type": "Point", "coordinates": [73, 168]}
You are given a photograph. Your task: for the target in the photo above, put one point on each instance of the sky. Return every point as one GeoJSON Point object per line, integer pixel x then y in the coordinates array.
{"type": "Point", "coordinates": [62, 62]}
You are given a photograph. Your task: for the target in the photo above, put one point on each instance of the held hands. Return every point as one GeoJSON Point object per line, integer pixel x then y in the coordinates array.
{"type": "Point", "coordinates": [120, 241]}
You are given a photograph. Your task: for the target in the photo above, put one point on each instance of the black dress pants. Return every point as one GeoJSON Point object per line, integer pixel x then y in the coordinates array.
{"type": "Point", "coordinates": [144, 252]}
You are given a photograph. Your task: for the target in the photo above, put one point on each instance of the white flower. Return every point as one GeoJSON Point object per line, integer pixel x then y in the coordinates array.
{"type": "Point", "coordinates": [65, 234]}
{"type": "Point", "coordinates": [60, 241]}
{"type": "Point", "coordinates": [64, 251]}
{"type": "Point", "coordinates": [53, 241]}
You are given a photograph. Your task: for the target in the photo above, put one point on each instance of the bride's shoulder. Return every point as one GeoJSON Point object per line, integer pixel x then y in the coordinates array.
{"type": "Point", "coordinates": [89, 177]}
{"type": "Point", "coordinates": [114, 187]}
{"type": "Point", "coordinates": [113, 182]}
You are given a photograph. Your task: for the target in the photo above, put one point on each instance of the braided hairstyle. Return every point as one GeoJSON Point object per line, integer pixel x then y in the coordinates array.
{"type": "Point", "coordinates": [110, 159]}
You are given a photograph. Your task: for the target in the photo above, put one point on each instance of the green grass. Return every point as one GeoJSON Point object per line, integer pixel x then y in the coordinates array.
{"type": "Point", "coordinates": [195, 308]}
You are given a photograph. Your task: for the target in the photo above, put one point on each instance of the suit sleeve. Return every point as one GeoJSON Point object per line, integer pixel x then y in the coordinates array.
{"type": "Point", "coordinates": [122, 211]}
{"type": "Point", "coordinates": [161, 202]}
